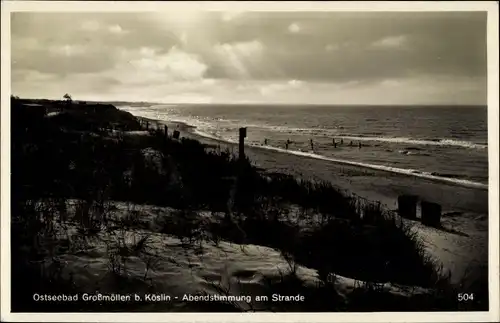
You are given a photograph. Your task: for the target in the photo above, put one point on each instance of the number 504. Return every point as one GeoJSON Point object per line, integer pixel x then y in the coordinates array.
{"type": "Point", "coordinates": [464, 297]}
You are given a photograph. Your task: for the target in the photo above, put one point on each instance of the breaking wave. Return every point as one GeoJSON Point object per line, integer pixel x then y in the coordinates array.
{"type": "Point", "coordinates": [211, 129]}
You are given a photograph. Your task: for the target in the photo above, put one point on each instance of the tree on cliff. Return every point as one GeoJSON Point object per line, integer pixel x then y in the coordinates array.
{"type": "Point", "coordinates": [67, 97]}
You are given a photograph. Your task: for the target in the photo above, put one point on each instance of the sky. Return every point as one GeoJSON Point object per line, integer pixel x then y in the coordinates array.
{"type": "Point", "coordinates": [378, 58]}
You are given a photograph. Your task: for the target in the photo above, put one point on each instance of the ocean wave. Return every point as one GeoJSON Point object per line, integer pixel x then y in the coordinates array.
{"type": "Point", "coordinates": [206, 129]}
{"type": "Point", "coordinates": [219, 124]}
{"type": "Point", "coordinates": [410, 172]}
{"type": "Point", "coordinates": [423, 142]}
{"type": "Point", "coordinates": [378, 137]}
{"type": "Point", "coordinates": [156, 106]}
{"type": "Point", "coordinates": [210, 135]}
{"type": "Point", "coordinates": [370, 137]}
{"type": "Point", "coordinates": [449, 175]}
{"type": "Point", "coordinates": [413, 153]}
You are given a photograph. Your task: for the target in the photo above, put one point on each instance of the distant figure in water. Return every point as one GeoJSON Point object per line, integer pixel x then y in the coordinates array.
{"type": "Point", "coordinates": [350, 144]}
{"type": "Point", "coordinates": [288, 142]}
{"type": "Point", "coordinates": [359, 145]}
{"type": "Point", "coordinates": [341, 141]}
{"type": "Point", "coordinates": [312, 144]}
{"type": "Point", "coordinates": [334, 143]}
{"type": "Point", "coordinates": [265, 141]}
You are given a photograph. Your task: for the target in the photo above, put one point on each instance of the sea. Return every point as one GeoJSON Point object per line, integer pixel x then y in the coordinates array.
{"type": "Point", "coordinates": [444, 143]}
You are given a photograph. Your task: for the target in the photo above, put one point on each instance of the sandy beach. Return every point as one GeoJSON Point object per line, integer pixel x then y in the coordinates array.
{"type": "Point", "coordinates": [462, 246]}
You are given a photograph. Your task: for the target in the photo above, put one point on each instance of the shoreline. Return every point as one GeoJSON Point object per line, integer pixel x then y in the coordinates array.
{"type": "Point", "coordinates": [338, 170]}
{"type": "Point", "coordinates": [461, 245]}
{"type": "Point", "coordinates": [389, 164]}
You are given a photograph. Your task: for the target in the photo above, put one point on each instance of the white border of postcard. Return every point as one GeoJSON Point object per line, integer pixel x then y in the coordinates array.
{"type": "Point", "coordinates": [140, 6]}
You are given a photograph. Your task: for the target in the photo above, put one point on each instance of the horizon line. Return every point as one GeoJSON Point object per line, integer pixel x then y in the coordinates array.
{"type": "Point", "coordinates": [272, 104]}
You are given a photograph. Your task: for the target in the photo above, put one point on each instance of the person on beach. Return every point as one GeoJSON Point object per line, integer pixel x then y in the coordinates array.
{"type": "Point", "coordinates": [350, 144]}
{"type": "Point", "coordinates": [359, 145]}
{"type": "Point", "coordinates": [334, 143]}
{"type": "Point", "coordinates": [265, 142]}
{"type": "Point", "coordinates": [341, 141]}
{"type": "Point", "coordinates": [312, 144]}
{"type": "Point", "coordinates": [286, 145]}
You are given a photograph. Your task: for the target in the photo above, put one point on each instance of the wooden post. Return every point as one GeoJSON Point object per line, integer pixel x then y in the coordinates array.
{"type": "Point", "coordinates": [243, 135]}
{"type": "Point", "coordinates": [407, 206]}
{"type": "Point", "coordinates": [431, 214]}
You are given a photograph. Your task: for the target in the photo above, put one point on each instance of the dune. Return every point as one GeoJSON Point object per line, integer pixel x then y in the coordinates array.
{"type": "Point", "coordinates": [167, 272]}
{"type": "Point", "coordinates": [460, 254]}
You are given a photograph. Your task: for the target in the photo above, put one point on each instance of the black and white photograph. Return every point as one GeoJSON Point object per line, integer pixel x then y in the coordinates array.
{"type": "Point", "coordinates": [193, 159]}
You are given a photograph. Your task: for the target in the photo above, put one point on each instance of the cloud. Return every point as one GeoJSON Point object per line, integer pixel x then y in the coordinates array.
{"type": "Point", "coordinates": [32, 76]}
{"type": "Point", "coordinates": [390, 83]}
{"type": "Point", "coordinates": [245, 54]}
{"type": "Point", "coordinates": [249, 48]}
{"type": "Point", "coordinates": [184, 38]}
{"type": "Point", "coordinates": [68, 50]}
{"type": "Point", "coordinates": [25, 44]}
{"type": "Point", "coordinates": [231, 15]}
{"type": "Point", "coordinates": [94, 26]}
{"type": "Point", "coordinates": [42, 85]}
{"type": "Point", "coordinates": [391, 42]}
{"type": "Point", "coordinates": [148, 65]}
{"type": "Point", "coordinates": [116, 29]}
{"type": "Point", "coordinates": [295, 83]}
{"type": "Point", "coordinates": [182, 65]}
{"type": "Point", "coordinates": [272, 89]}
{"type": "Point", "coordinates": [90, 26]}
{"type": "Point", "coordinates": [294, 28]}
{"type": "Point", "coordinates": [237, 58]}
{"type": "Point", "coordinates": [332, 47]}
{"type": "Point", "coordinates": [282, 87]}
{"type": "Point", "coordinates": [59, 57]}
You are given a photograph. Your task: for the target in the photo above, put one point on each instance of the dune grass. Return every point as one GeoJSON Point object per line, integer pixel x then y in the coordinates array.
{"type": "Point", "coordinates": [76, 155]}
